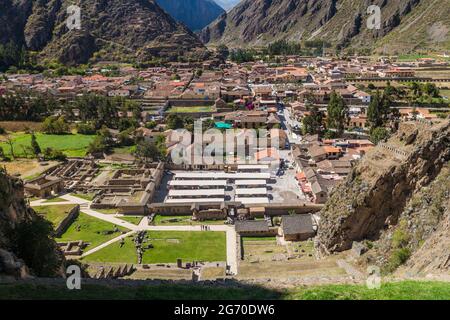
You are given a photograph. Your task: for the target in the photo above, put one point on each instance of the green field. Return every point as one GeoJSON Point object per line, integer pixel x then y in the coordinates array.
{"type": "Point", "coordinates": [406, 290]}
{"type": "Point", "coordinates": [57, 199]}
{"type": "Point", "coordinates": [189, 246]}
{"type": "Point", "coordinates": [114, 253]}
{"type": "Point", "coordinates": [413, 57]}
{"type": "Point", "coordinates": [191, 109]}
{"type": "Point", "coordinates": [85, 196]}
{"type": "Point", "coordinates": [54, 214]}
{"type": "Point", "coordinates": [132, 219]}
{"type": "Point", "coordinates": [72, 145]}
{"type": "Point", "coordinates": [168, 246]}
{"type": "Point", "coordinates": [91, 230]}
{"type": "Point", "coordinates": [159, 220]}
{"type": "Point", "coordinates": [246, 239]}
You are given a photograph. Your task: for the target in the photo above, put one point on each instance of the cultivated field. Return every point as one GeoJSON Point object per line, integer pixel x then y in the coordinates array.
{"type": "Point", "coordinates": [72, 145]}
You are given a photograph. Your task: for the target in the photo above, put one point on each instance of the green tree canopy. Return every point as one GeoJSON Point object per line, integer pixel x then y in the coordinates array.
{"type": "Point", "coordinates": [338, 114]}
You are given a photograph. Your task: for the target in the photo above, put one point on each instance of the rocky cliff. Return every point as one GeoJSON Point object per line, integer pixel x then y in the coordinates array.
{"type": "Point", "coordinates": [195, 14]}
{"type": "Point", "coordinates": [405, 24]}
{"type": "Point", "coordinates": [26, 246]}
{"type": "Point", "coordinates": [110, 30]}
{"type": "Point", "coordinates": [396, 201]}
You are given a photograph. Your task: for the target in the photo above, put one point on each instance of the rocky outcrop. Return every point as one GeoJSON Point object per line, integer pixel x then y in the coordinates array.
{"type": "Point", "coordinates": [110, 30]}
{"type": "Point", "coordinates": [377, 190]}
{"type": "Point", "coordinates": [405, 24]}
{"type": "Point", "coordinates": [195, 14]}
{"type": "Point", "coordinates": [260, 21]}
{"type": "Point", "coordinates": [397, 200]}
{"type": "Point", "coordinates": [26, 246]}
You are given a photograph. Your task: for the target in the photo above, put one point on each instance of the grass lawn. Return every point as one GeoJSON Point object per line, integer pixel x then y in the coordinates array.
{"type": "Point", "coordinates": [57, 199]}
{"type": "Point", "coordinates": [54, 214]}
{"type": "Point", "coordinates": [405, 290]}
{"type": "Point", "coordinates": [246, 239]}
{"type": "Point", "coordinates": [85, 196]}
{"type": "Point", "coordinates": [412, 57]}
{"type": "Point", "coordinates": [73, 145]}
{"type": "Point", "coordinates": [159, 220]}
{"type": "Point", "coordinates": [445, 93]}
{"type": "Point", "coordinates": [191, 109]}
{"type": "Point", "coordinates": [125, 150]}
{"type": "Point", "coordinates": [189, 246]}
{"type": "Point", "coordinates": [115, 253]}
{"type": "Point", "coordinates": [90, 231]}
{"type": "Point", "coordinates": [132, 219]}
{"type": "Point", "coordinates": [107, 211]}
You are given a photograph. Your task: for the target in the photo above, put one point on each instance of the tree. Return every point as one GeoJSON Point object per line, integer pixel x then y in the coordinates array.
{"type": "Point", "coordinates": [416, 89]}
{"type": "Point", "coordinates": [431, 90]}
{"type": "Point", "coordinates": [223, 52]}
{"type": "Point", "coordinates": [55, 125]}
{"type": "Point", "coordinates": [97, 145]}
{"type": "Point", "coordinates": [174, 121]}
{"type": "Point", "coordinates": [151, 124]}
{"type": "Point", "coordinates": [378, 134]}
{"type": "Point", "coordinates": [375, 111]}
{"type": "Point", "coordinates": [380, 111]}
{"type": "Point", "coordinates": [312, 124]}
{"type": "Point", "coordinates": [86, 128]}
{"type": "Point", "coordinates": [146, 151]}
{"type": "Point", "coordinates": [35, 145]}
{"type": "Point", "coordinates": [51, 154]}
{"type": "Point", "coordinates": [32, 241]}
{"type": "Point", "coordinates": [10, 142]}
{"type": "Point", "coordinates": [338, 115]}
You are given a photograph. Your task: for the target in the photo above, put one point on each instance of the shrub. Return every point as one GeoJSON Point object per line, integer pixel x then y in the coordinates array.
{"type": "Point", "coordinates": [86, 128]}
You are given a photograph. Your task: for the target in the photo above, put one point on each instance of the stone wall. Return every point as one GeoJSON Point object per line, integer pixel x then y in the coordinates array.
{"type": "Point", "coordinates": [68, 220]}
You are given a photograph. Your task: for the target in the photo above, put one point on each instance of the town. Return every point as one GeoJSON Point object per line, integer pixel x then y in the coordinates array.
{"type": "Point", "coordinates": [96, 151]}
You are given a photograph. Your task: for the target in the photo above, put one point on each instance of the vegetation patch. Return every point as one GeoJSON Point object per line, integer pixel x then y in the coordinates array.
{"type": "Point", "coordinates": [57, 199]}
{"type": "Point", "coordinates": [191, 109]}
{"type": "Point", "coordinates": [118, 252]}
{"type": "Point", "coordinates": [91, 230]}
{"type": "Point", "coordinates": [406, 290]}
{"type": "Point", "coordinates": [182, 220]}
{"type": "Point", "coordinates": [54, 214]}
{"type": "Point", "coordinates": [189, 246]}
{"type": "Point", "coordinates": [85, 196]}
{"type": "Point", "coordinates": [132, 219]}
{"type": "Point", "coordinates": [72, 145]}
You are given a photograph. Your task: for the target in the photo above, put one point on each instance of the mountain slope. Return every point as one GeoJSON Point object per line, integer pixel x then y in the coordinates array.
{"type": "Point", "coordinates": [406, 24]}
{"type": "Point", "coordinates": [196, 14]}
{"type": "Point", "coordinates": [110, 30]}
{"type": "Point", "coordinates": [26, 245]}
{"type": "Point", "coordinates": [398, 197]}
{"type": "Point", "coordinates": [227, 4]}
